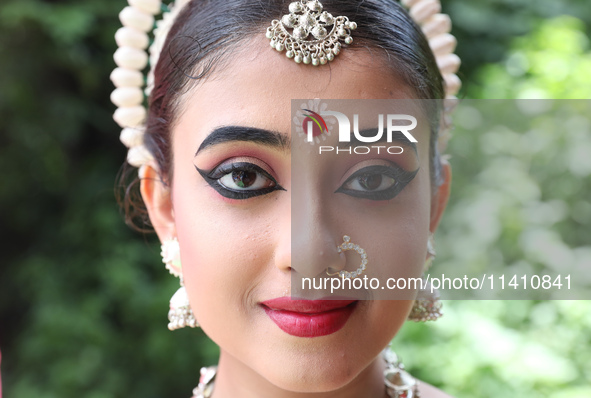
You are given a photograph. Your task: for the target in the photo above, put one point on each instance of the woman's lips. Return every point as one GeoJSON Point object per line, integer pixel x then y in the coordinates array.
{"type": "Point", "coordinates": [309, 318]}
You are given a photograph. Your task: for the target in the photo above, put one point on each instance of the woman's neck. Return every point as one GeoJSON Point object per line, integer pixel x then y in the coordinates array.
{"type": "Point", "coordinates": [235, 379]}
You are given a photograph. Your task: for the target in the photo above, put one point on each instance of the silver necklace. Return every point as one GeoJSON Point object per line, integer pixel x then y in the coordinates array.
{"type": "Point", "coordinates": [398, 382]}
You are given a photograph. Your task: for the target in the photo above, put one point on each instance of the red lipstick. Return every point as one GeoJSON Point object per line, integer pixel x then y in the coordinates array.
{"type": "Point", "coordinates": [309, 318]}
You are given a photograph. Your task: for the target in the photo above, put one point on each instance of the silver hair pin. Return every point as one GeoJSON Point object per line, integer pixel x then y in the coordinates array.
{"type": "Point", "coordinates": [310, 35]}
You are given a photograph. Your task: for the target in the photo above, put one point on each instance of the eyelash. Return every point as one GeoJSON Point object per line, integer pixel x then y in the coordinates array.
{"type": "Point", "coordinates": [214, 177]}
{"type": "Point", "coordinates": [400, 179]}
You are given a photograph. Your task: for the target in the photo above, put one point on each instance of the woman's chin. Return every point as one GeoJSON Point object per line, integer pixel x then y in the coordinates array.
{"type": "Point", "coordinates": [315, 368]}
{"type": "Point", "coordinates": [312, 379]}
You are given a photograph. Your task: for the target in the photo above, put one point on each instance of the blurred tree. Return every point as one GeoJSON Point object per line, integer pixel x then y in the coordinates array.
{"type": "Point", "coordinates": [485, 29]}
{"type": "Point", "coordinates": [83, 304]}
{"type": "Point", "coordinates": [554, 61]}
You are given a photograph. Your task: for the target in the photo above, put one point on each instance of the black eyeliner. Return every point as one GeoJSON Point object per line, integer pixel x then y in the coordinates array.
{"type": "Point", "coordinates": [212, 178]}
{"type": "Point", "coordinates": [401, 179]}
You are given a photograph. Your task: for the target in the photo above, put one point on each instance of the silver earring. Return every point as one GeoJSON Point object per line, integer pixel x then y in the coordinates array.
{"type": "Point", "coordinates": [427, 306]}
{"type": "Point", "coordinates": [180, 313]}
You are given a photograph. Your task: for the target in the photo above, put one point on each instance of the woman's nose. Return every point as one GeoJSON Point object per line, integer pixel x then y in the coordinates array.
{"type": "Point", "coordinates": [314, 239]}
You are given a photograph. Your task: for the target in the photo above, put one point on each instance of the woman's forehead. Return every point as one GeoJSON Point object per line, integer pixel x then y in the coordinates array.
{"type": "Point", "coordinates": [263, 80]}
{"type": "Point", "coordinates": [256, 88]}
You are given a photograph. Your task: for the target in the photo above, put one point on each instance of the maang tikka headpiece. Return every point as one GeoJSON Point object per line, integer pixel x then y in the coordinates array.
{"type": "Point", "coordinates": [309, 34]}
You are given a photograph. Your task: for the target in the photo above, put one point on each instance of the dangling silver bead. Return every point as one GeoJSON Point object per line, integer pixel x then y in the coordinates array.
{"type": "Point", "coordinates": [289, 20]}
{"type": "Point", "coordinates": [326, 18]}
{"type": "Point", "coordinates": [300, 33]}
{"type": "Point", "coordinates": [295, 7]}
{"type": "Point", "coordinates": [314, 5]}
{"type": "Point", "coordinates": [348, 40]}
{"type": "Point", "coordinates": [307, 59]}
{"type": "Point", "coordinates": [319, 32]}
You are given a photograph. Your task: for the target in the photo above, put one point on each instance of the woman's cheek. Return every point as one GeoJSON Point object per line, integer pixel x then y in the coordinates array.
{"type": "Point", "coordinates": [224, 253]}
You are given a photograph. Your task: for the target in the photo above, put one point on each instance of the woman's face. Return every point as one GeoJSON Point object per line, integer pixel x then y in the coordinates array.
{"type": "Point", "coordinates": [249, 214]}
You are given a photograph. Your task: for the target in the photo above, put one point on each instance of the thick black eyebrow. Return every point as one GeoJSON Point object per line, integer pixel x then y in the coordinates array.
{"type": "Point", "coordinates": [397, 137]}
{"type": "Point", "coordinates": [251, 134]}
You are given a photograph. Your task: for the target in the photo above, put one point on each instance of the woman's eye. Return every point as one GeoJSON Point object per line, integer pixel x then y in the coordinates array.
{"type": "Point", "coordinates": [371, 182]}
{"type": "Point", "coordinates": [245, 180]}
{"type": "Point", "coordinates": [377, 182]}
{"type": "Point", "coordinates": [241, 180]}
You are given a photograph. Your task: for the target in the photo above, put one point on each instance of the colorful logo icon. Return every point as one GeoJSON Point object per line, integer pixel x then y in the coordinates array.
{"type": "Point", "coordinates": [317, 123]}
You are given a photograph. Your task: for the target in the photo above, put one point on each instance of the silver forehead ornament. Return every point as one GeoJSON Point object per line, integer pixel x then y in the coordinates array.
{"type": "Point", "coordinates": [310, 35]}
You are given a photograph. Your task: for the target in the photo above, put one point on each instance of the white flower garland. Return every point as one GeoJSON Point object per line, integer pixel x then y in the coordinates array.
{"type": "Point", "coordinates": [131, 59]}
{"type": "Point", "coordinates": [138, 19]}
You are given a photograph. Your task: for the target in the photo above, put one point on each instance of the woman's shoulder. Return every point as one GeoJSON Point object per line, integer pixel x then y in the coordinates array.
{"type": "Point", "coordinates": [428, 391]}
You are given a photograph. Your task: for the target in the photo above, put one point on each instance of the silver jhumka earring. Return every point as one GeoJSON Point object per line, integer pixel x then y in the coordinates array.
{"type": "Point", "coordinates": [427, 306]}
{"type": "Point", "coordinates": [180, 313]}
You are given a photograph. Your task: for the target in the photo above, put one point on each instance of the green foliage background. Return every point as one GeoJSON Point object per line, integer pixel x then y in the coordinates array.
{"type": "Point", "coordinates": [83, 299]}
